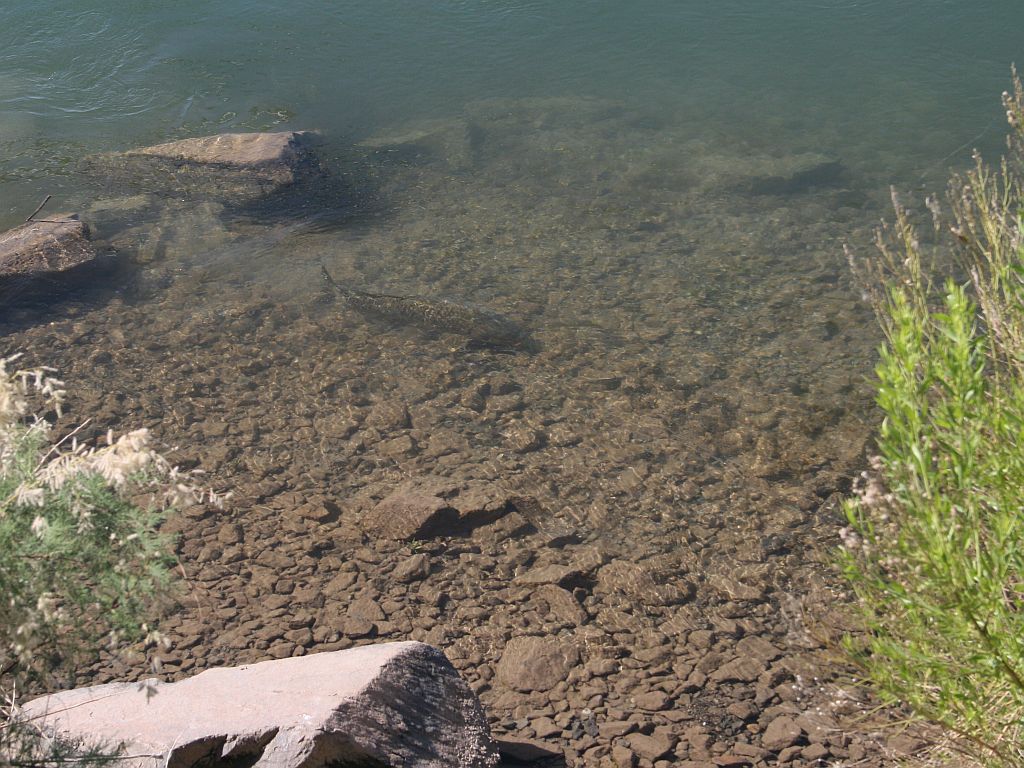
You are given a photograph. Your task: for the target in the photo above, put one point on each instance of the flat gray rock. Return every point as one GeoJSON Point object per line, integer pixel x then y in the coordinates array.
{"type": "Point", "coordinates": [228, 166]}
{"type": "Point", "coordinates": [242, 150]}
{"type": "Point", "coordinates": [402, 704]}
{"type": "Point", "coordinates": [54, 245]}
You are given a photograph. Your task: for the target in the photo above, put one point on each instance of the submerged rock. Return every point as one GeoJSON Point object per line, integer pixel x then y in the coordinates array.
{"type": "Point", "coordinates": [396, 703]}
{"type": "Point", "coordinates": [450, 141]}
{"type": "Point", "coordinates": [232, 166]}
{"type": "Point", "coordinates": [273, 151]}
{"type": "Point", "coordinates": [827, 173]}
{"type": "Point", "coordinates": [53, 245]}
{"type": "Point", "coordinates": [536, 663]}
{"type": "Point", "coordinates": [430, 507]}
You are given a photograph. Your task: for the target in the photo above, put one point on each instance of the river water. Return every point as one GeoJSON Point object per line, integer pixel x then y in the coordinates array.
{"type": "Point", "coordinates": [659, 191]}
{"type": "Point", "coordinates": [895, 89]}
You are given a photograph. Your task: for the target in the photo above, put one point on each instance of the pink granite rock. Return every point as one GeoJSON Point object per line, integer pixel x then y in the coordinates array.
{"type": "Point", "coordinates": [402, 704]}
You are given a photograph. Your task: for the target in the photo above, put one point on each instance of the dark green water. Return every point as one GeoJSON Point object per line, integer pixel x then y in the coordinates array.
{"type": "Point", "coordinates": [895, 88]}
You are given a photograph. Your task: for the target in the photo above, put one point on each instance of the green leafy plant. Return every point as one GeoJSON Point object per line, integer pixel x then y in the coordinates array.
{"type": "Point", "coordinates": [935, 544]}
{"type": "Point", "coordinates": [81, 558]}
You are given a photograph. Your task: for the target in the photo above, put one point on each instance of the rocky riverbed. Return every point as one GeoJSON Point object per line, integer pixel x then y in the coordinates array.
{"type": "Point", "coordinates": [632, 523]}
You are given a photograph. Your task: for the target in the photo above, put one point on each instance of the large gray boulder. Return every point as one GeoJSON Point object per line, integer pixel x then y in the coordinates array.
{"type": "Point", "coordinates": [400, 704]}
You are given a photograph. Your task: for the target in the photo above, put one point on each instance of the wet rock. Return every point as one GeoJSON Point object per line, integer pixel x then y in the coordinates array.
{"type": "Point", "coordinates": [526, 750]}
{"type": "Point", "coordinates": [389, 415]}
{"type": "Point", "coordinates": [415, 568]}
{"type": "Point", "coordinates": [45, 246]}
{"type": "Point", "coordinates": [232, 166]}
{"type": "Point", "coordinates": [536, 663]}
{"type": "Point", "coordinates": [366, 608]}
{"type": "Point", "coordinates": [653, 747]}
{"type": "Point", "coordinates": [551, 574]}
{"type": "Point", "coordinates": [524, 439]}
{"type": "Point", "coordinates": [638, 583]}
{"type": "Point", "coordinates": [429, 507]}
{"type": "Point", "coordinates": [781, 732]}
{"type": "Point", "coordinates": [393, 703]}
{"type": "Point", "coordinates": [556, 532]}
{"type": "Point", "coordinates": [409, 514]}
{"type": "Point", "coordinates": [816, 175]}
{"type": "Point", "coordinates": [653, 701]}
{"type": "Point", "coordinates": [450, 141]}
{"type": "Point", "coordinates": [561, 604]}
{"type": "Point", "coordinates": [743, 670]}
{"type": "Point", "coordinates": [623, 756]}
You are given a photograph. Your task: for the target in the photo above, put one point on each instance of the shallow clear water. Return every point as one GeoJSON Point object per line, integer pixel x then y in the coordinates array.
{"type": "Point", "coordinates": [606, 172]}
{"type": "Point", "coordinates": [603, 172]}
{"type": "Point", "coordinates": [659, 191]}
{"type": "Point", "coordinates": [894, 88]}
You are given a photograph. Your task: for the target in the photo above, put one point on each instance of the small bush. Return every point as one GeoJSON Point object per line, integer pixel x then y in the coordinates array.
{"type": "Point", "coordinates": [935, 543]}
{"type": "Point", "coordinates": [81, 558]}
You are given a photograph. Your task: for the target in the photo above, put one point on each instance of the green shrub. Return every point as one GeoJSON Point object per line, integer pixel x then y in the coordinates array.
{"type": "Point", "coordinates": [935, 544]}
{"type": "Point", "coordinates": [81, 558]}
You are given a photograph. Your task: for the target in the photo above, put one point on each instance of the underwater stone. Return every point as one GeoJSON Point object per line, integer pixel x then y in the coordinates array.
{"type": "Point", "coordinates": [229, 166]}
{"type": "Point", "coordinates": [53, 245]}
{"type": "Point", "coordinates": [244, 150]}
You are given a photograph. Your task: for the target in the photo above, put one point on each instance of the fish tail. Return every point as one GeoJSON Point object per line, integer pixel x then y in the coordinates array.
{"type": "Point", "coordinates": [327, 277]}
{"type": "Point", "coordinates": [340, 289]}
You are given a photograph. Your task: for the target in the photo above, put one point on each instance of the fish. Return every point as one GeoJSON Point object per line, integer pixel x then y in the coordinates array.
{"type": "Point", "coordinates": [478, 324]}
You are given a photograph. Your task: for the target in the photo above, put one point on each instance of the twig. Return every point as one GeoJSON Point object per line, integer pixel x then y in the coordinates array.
{"type": "Point", "coordinates": [37, 210]}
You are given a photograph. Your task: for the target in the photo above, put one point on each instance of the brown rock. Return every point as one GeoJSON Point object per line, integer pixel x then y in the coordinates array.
{"type": "Point", "coordinates": [357, 627]}
{"type": "Point", "coordinates": [536, 663]}
{"type": "Point", "coordinates": [732, 760]}
{"type": "Point", "coordinates": [623, 756]}
{"type": "Point", "coordinates": [393, 703]}
{"type": "Point", "coordinates": [406, 515]}
{"type": "Point", "coordinates": [318, 511]}
{"type": "Point", "coordinates": [653, 747]}
{"type": "Point", "coordinates": [616, 728]}
{"type": "Point", "coordinates": [561, 604]}
{"type": "Point", "coordinates": [366, 608]}
{"type": "Point", "coordinates": [653, 701]}
{"type": "Point", "coordinates": [815, 752]}
{"type": "Point", "coordinates": [341, 583]}
{"type": "Point", "coordinates": [757, 648]}
{"type": "Point", "coordinates": [550, 574]}
{"type": "Point", "coordinates": [54, 245]}
{"type": "Point", "coordinates": [742, 670]}
{"type": "Point", "coordinates": [414, 568]}
{"type": "Point", "coordinates": [638, 583]}
{"type": "Point", "coordinates": [237, 149]}
{"type": "Point", "coordinates": [229, 165]}
{"type": "Point", "coordinates": [781, 732]}
{"type": "Point", "coordinates": [431, 506]}
{"type": "Point", "coordinates": [526, 750]}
